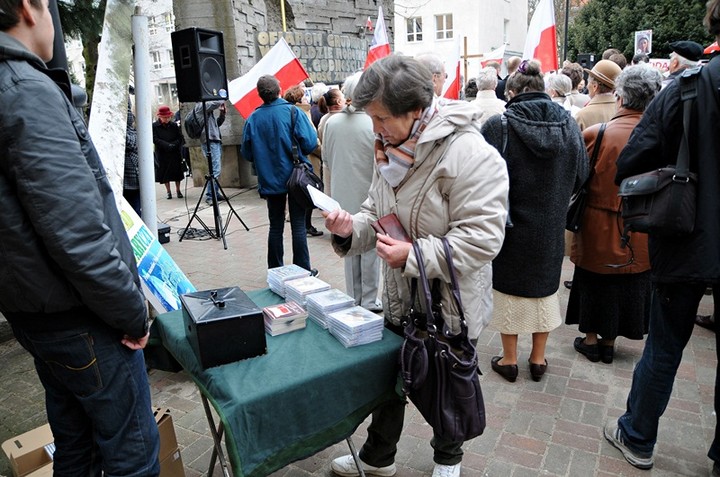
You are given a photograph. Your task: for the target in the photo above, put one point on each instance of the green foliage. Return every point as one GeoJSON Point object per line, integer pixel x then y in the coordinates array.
{"type": "Point", "coordinates": [83, 20]}
{"type": "Point", "coordinates": [603, 24]}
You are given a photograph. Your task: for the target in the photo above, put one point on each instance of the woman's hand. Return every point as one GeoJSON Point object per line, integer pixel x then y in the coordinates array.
{"type": "Point", "coordinates": [339, 222]}
{"type": "Point", "coordinates": [394, 252]}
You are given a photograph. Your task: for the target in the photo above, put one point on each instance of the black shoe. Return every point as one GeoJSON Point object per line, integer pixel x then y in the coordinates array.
{"type": "Point", "coordinates": [568, 284]}
{"type": "Point", "coordinates": [537, 370]}
{"type": "Point", "coordinates": [314, 272]}
{"type": "Point", "coordinates": [507, 371]}
{"type": "Point", "coordinates": [607, 352]}
{"type": "Point", "coordinates": [179, 195]}
{"type": "Point", "coordinates": [705, 321]}
{"type": "Point", "coordinates": [313, 232]}
{"type": "Point", "coordinates": [591, 352]}
{"type": "Point", "coordinates": [169, 195]}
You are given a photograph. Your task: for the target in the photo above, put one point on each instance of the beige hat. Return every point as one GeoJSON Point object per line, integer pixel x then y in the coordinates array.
{"type": "Point", "coordinates": [605, 71]}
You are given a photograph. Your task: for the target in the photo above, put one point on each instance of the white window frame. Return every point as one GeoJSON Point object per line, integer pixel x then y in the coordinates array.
{"type": "Point", "coordinates": [171, 57]}
{"type": "Point", "coordinates": [169, 22]}
{"type": "Point", "coordinates": [414, 29]}
{"type": "Point", "coordinates": [156, 59]}
{"type": "Point", "coordinates": [442, 32]}
{"type": "Point", "coordinates": [152, 25]}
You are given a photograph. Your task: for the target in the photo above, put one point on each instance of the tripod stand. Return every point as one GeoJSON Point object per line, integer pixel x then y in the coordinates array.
{"type": "Point", "coordinates": [212, 182]}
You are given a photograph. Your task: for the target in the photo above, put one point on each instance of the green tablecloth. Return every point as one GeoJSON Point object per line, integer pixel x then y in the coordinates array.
{"type": "Point", "coordinates": [307, 393]}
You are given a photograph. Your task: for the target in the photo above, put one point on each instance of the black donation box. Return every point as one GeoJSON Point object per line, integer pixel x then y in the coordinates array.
{"type": "Point", "coordinates": [223, 326]}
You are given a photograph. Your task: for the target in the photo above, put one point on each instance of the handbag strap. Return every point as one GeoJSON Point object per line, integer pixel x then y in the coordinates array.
{"type": "Point", "coordinates": [296, 157]}
{"type": "Point", "coordinates": [596, 151]}
{"type": "Point", "coordinates": [431, 328]}
{"type": "Point", "coordinates": [688, 92]}
{"type": "Point", "coordinates": [454, 285]}
{"type": "Point", "coordinates": [504, 127]}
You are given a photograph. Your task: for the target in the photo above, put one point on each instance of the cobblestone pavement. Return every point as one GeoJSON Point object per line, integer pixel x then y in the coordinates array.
{"type": "Point", "coordinates": [551, 428]}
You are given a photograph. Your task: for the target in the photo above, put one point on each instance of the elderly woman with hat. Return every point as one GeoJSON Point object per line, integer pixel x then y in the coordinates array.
{"type": "Point", "coordinates": [168, 140]}
{"type": "Point", "coordinates": [601, 84]}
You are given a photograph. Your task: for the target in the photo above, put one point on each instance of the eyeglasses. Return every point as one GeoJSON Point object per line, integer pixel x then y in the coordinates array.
{"type": "Point", "coordinates": [441, 75]}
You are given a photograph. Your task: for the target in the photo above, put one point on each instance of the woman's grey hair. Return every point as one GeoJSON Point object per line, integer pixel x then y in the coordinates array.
{"type": "Point", "coordinates": [637, 85]}
{"type": "Point", "coordinates": [560, 83]}
{"type": "Point", "coordinates": [433, 62]}
{"type": "Point", "coordinates": [487, 79]}
{"type": "Point", "coordinates": [318, 90]}
{"type": "Point", "coordinates": [402, 84]}
{"type": "Point", "coordinates": [348, 88]}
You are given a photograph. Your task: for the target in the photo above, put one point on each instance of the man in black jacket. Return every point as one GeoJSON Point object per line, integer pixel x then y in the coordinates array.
{"type": "Point", "coordinates": [682, 267]}
{"type": "Point", "coordinates": [68, 282]}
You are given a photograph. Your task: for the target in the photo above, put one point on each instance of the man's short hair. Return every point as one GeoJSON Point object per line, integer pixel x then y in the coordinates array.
{"type": "Point", "coordinates": [609, 52]}
{"type": "Point", "coordinates": [575, 72]}
{"type": "Point", "coordinates": [619, 59]}
{"type": "Point", "coordinates": [9, 12]}
{"type": "Point", "coordinates": [268, 88]}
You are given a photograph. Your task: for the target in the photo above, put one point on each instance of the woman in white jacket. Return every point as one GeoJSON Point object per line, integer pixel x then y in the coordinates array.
{"type": "Point", "coordinates": [437, 173]}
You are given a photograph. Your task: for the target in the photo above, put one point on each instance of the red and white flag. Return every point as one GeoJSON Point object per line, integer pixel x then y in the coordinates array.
{"type": "Point", "coordinates": [380, 46]}
{"type": "Point", "coordinates": [541, 40]}
{"type": "Point", "coordinates": [280, 62]}
{"type": "Point", "coordinates": [496, 55]}
{"type": "Point", "coordinates": [451, 88]}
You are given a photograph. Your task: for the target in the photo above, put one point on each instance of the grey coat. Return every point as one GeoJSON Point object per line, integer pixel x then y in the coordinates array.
{"type": "Point", "coordinates": [546, 160]}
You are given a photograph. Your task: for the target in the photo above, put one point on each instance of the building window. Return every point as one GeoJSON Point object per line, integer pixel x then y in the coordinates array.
{"type": "Point", "coordinates": [156, 59]}
{"type": "Point", "coordinates": [173, 91]}
{"type": "Point", "coordinates": [152, 25]}
{"type": "Point", "coordinates": [159, 93]}
{"type": "Point", "coordinates": [444, 26]}
{"type": "Point", "coordinates": [169, 22]}
{"type": "Point", "coordinates": [414, 29]}
{"type": "Point", "coordinates": [171, 58]}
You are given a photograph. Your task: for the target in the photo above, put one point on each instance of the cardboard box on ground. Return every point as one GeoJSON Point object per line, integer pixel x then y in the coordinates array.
{"type": "Point", "coordinates": [30, 456]}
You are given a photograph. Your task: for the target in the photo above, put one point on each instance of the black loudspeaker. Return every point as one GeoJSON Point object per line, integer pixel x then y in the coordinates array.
{"type": "Point", "coordinates": [586, 60]}
{"type": "Point", "coordinates": [199, 57]}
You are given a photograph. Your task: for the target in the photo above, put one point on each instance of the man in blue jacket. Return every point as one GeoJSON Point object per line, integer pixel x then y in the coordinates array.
{"type": "Point", "coordinates": [68, 282]}
{"type": "Point", "coordinates": [268, 137]}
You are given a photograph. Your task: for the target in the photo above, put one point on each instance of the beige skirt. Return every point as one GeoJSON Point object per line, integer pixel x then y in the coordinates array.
{"type": "Point", "coordinates": [514, 315]}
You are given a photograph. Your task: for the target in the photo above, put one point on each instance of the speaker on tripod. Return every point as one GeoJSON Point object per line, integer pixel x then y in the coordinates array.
{"type": "Point", "coordinates": [199, 56]}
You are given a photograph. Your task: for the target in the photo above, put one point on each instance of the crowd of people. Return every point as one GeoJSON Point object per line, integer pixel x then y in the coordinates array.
{"type": "Point", "coordinates": [492, 176]}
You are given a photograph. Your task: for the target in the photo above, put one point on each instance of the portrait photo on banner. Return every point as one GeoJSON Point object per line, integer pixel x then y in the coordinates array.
{"type": "Point", "coordinates": [643, 42]}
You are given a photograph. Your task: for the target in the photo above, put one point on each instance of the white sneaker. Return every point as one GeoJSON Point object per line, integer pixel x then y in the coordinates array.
{"type": "Point", "coordinates": [441, 470]}
{"type": "Point", "coordinates": [345, 466]}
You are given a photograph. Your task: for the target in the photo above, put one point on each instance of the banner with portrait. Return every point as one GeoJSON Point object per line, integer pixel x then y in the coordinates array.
{"type": "Point", "coordinates": [643, 42]}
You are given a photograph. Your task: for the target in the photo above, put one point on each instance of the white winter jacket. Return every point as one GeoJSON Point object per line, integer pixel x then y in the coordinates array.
{"type": "Point", "coordinates": [457, 188]}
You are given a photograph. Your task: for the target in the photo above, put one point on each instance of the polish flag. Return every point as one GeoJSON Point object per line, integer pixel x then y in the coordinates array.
{"type": "Point", "coordinates": [380, 46]}
{"type": "Point", "coordinates": [451, 88]}
{"type": "Point", "coordinates": [541, 40]}
{"type": "Point", "coordinates": [280, 62]}
{"type": "Point", "coordinates": [496, 55]}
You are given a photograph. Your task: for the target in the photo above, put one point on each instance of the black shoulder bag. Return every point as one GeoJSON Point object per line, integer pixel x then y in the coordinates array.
{"type": "Point", "coordinates": [302, 174]}
{"type": "Point", "coordinates": [439, 371]}
{"type": "Point", "coordinates": [663, 201]}
{"type": "Point", "coordinates": [578, 201]}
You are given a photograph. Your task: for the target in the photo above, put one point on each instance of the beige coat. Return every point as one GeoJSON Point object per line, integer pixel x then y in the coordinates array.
{"type": "Point", "coordinates": [600, 109]}
{"type": "Point", "coordinates": [457, 188]}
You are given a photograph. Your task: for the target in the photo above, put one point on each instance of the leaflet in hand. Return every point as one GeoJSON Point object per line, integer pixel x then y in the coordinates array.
{"type": "Point", "coordinates": [322, 201]}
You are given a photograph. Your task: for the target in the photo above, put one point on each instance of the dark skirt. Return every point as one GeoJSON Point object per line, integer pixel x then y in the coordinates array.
{"type": "Point", "coordinates": [610, 305]}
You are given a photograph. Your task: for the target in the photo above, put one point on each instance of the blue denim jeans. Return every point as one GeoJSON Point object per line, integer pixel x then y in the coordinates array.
{"type": "Point", "coordinates": [97, 399]}
{"type": "Point", "coordinates": [672, 319]}
{"type": "Point", "coordinates": [216, 158]}
{"type": "Point", "coordinates": [276, 216]}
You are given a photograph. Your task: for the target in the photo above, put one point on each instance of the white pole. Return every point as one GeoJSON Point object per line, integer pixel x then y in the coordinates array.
{"type": "Point", "coordinates": [144, 120]}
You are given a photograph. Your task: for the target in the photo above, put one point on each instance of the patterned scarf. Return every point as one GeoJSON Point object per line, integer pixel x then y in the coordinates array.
{"type": "Point", "coordinates": [394, 162]}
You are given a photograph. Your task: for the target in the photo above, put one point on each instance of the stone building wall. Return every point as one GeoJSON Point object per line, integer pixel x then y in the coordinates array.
{"type": "Point", "coordinates": [327, 36]}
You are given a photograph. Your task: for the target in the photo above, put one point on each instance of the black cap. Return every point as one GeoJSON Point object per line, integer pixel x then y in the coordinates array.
{"type": "Point", "coordinates": [687, 49]}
